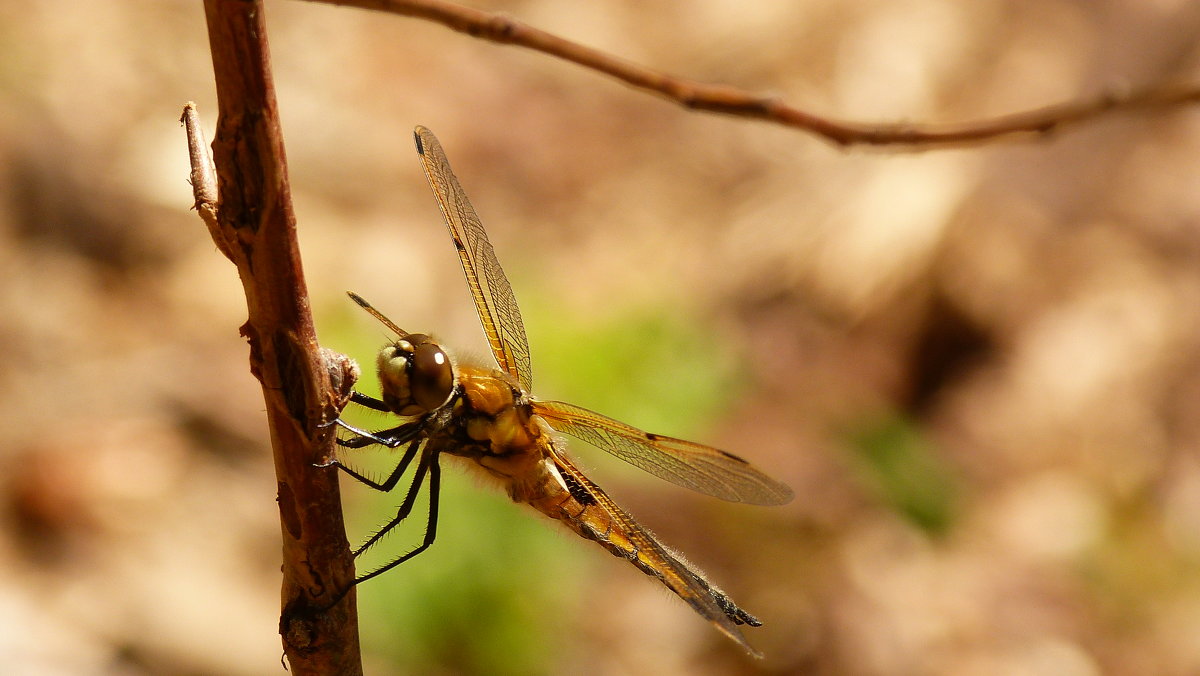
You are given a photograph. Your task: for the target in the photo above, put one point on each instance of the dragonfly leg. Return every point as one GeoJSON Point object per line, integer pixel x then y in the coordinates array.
{"type": "Point", "coordinates": [369, 401]}
{"type": "Point", "coordinates": [428, 462]}
{"type": "Point", "coordinates": [388, 483]}
{"type": "Point", "coordinates": [362, 400]}
{"type": "Point", "coordinates": [390, 437]}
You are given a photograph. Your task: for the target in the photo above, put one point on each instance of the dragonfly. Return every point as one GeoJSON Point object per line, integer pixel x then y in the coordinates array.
{"type": "Point", "coordinates": [486, 415]}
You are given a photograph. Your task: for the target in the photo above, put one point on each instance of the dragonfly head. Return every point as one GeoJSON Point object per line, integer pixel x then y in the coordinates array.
{"type": "Point", "coordinates": [415, 374]}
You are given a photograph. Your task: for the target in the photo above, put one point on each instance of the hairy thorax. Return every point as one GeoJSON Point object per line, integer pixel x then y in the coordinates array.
{"type": "Point", "coordinates": [493, 425]}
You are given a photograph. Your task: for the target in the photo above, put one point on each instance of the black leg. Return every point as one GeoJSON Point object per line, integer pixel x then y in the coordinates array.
{"type": "Point", "coordinates": [391, 438]}
{"type": "Point", "coordinates": [429, 462]}
{"type": "Point", "coordinates": [369, 401]}
{"type": "Point", "coordinates": [388, 483]}
{"type": "Point", "coordinates": [410, 498]}
{"type": "Point", "coordinates": [362, 400]}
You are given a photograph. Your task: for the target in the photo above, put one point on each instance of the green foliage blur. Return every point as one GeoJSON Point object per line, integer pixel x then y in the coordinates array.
{"type": "Point", "coordinates": [899, 465]}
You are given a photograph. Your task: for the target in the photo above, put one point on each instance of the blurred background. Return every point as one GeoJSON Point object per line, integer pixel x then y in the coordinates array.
{"type": "Point", "coordinates": [977, 367]}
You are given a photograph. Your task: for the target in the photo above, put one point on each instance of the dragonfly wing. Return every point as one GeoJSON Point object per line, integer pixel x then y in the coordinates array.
{"type": "Point", "coordinates": [589, 511]}
{"type": "Point", "coordinates": [701, 468]}
{"type": "Point", "coordinates": [494, 299]}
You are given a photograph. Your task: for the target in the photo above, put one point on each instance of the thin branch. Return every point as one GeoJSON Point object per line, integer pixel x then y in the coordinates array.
{"type": "Point", "coordinates": [249, 214]}
{"type": "Point", "coordinates": [731, 100]}
{"type": "Point", "coordinates": [203, 178]}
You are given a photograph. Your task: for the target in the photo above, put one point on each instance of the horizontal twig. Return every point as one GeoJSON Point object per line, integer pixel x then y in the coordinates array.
{"type": "Point", "coordinates": [734, 101]}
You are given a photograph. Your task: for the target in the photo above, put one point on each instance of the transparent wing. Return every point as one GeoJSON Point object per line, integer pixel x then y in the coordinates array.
{"type": "Point", "coordinates": [596, 517]}
{"type": "Point", "coordinates": [494, 299]}
{"type": "Point", "coordinates": [701, 468]}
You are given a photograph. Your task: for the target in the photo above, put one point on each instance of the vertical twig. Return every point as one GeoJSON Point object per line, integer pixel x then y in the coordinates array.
{"type": "Point", "coordinates": [253, 224]}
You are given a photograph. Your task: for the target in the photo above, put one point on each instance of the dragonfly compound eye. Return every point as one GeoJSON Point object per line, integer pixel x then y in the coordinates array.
{"type": "Point", "coordinates": [432, 376]}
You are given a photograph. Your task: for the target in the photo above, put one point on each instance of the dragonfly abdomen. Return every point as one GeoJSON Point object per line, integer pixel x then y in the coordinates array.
{"type": "Point", "coordinates": [569, 497]}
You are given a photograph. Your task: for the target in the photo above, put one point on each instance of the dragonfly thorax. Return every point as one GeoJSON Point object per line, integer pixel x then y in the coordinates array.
{"type": "Point", "coordinates": [416, 375]}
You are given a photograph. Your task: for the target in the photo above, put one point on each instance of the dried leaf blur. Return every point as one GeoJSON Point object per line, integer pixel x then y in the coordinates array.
{"type": "Point", "coordinates": [978, 368]}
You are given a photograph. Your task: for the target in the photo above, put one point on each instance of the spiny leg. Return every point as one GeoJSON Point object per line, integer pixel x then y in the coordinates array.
{"type": "Point", "coordinates": [410, 499]}
{"type": "Point", "coordinates": [428, 461]}
{"type": "Point", "coordinates": [369, 401]}
{"type": "Point", "coordinates": [393, 478]}
{"type": "Point", "coordinates": [362, 400]}
{"type": "Point", "coordinates": [391, 438]}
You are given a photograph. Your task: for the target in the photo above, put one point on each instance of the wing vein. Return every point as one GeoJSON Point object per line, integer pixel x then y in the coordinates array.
{"type": "Point", "coordinates": [494, 299]}
{"type": "Point", "coordinates": [694, 466]}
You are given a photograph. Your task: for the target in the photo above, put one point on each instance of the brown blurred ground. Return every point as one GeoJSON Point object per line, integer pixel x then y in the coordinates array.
{"type": "Point", "coordinates": [978, 367]}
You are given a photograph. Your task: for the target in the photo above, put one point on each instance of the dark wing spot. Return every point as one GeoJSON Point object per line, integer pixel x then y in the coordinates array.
{"type": "Point", "coordinates": [577, 491]}
{"type": "Point", "coordinates": [733, 457]}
